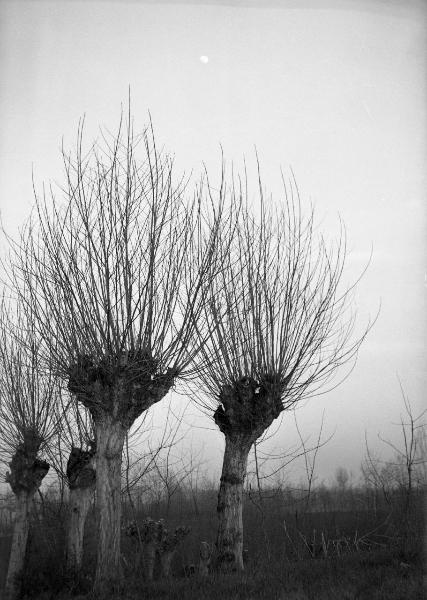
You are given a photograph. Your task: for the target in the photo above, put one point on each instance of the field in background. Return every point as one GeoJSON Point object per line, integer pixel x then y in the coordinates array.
{"type": "Point", "coordinates": [350, 542]}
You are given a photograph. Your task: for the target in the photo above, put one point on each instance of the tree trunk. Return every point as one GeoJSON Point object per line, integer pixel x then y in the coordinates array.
{"type": "Point", "coordinates": [81, 478]}
{"type": "Point", "coordinates": [110, 436]}
{"type": "Point", "coordinates": [166, 563]}
{"type": "Point", "coordinates": [25, 476]}
{"type": "Point", "coordinates": [229, 541]}
{"type": "Point", "coordinates": [80, 499]}
{"type": "Point", "coordinates": [205, 559]}
{"type": "Point", "coordinates": [116, 388]}
{"type": "Point", "coordinates": [149, 559]}
{"type": "Point", "coordinates": [19, 544]}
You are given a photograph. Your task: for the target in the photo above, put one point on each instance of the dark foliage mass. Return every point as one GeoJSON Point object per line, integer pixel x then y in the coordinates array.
{"type": "Point", "coordinates": [248, 406]}
{"type": "Point", "coordinates": [26, 471]}
{"type": "Point", "coordinates": [80, 473]}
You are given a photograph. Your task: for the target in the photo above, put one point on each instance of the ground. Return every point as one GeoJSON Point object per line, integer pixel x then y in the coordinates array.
{"type": "Point", "coordinates": [372, 576]}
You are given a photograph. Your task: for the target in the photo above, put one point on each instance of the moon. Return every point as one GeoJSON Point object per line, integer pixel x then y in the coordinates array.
{"type": "Point", "coordinates": [204, 59]}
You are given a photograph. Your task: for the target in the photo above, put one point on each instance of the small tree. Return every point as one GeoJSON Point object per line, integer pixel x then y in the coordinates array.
{"type": "Point", "coordinates": [28, 396]}
{"type": "Point", "coordinates": [279, 328]}
{"type": "Point", "coordinates": [114, 276]}
{"type": "Point", "coordinates": [403, 476]}
{"type": "Point", "coordinates": [341, 477]}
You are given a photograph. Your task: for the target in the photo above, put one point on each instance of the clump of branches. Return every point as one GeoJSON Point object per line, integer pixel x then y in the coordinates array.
{"type": "Point", "coordinates": [114, 270]}
{"type": "Point", "coordinates": [279, 316]}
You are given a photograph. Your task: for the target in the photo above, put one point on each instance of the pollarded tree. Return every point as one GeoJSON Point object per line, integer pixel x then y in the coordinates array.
{"type": "Point", "coordinates": [28, 398]}
{"type": "Point", "coordinates": [114, 274]}
{"type": "Point", "coordinates": [72, 455]}
{"type": "Point", "coordinates": [279, 327]}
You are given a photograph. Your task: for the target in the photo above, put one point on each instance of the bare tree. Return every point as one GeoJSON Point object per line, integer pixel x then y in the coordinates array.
{"type": "Point", "coordinates": [28, 396]}
{"type": "Point", "coordinates": [279, 328]}
{"type": "Point", "coordinates": [115, 275]}
{"type": "Point", "coordinates": [403, 472]}
{"type": "Point", "coordinates": [410, 458]}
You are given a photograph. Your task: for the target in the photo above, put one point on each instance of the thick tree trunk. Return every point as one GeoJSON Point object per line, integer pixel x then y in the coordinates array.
{"type": "Point", "coordinates": [80, 500]}
{"type": "Point", "coordinates": [116, 388]}
{"type": "Point", "coordinates": [110, 435]}
{"type": "Point", "coordinates": [81, 478]}
{"type": "Point", "coordinates": [25, 476]}
{"type": "Point", "coordinates": [19, 544]}
{"type": "Point", "coordinates": [229, 541]}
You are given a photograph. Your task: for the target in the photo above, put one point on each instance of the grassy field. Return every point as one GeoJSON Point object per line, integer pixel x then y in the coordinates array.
{"type": "Point", "coordinates": [379, 576]}
{"type": "Point", "coordinates": [338, 553]}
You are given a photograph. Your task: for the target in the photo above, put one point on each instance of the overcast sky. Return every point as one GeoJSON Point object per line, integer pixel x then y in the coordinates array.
{"type": "Point", "coordinates": [334, 90]}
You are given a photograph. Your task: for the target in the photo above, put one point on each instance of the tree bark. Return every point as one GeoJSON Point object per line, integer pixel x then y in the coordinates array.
{"type": "Point", "coordinates": [229, 541]}
{"type": "Point", "coordinates": [110, 435]}
{"type": "Point", "coordinates": [80, 500]}
{"type": "Point", "coordinates": [19, 544]}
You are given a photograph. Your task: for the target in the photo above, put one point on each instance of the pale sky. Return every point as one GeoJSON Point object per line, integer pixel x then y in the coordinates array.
{"type": "Point", "coordinates": [334, 90]}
